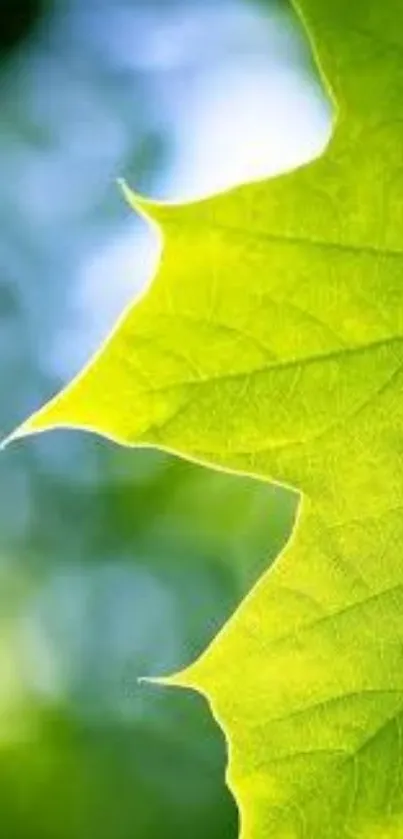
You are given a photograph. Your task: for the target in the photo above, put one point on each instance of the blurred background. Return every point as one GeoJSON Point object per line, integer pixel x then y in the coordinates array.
{"type": "Point", "coordinates": [116, 564]}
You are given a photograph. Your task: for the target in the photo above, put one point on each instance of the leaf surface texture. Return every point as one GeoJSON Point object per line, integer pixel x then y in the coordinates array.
{"type": "Point", "coordinates": [271, 343]}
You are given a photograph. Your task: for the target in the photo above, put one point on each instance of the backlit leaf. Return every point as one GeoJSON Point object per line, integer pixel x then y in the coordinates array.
{"type": "Point", "coordinates": [271, 342]}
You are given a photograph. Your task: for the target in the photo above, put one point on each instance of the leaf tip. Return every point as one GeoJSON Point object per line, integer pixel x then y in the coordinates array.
{"type": "Point", "coordinates": [40, 421]}
{"type": "Point", "coordinates": [137, 202]}
{"type": "Point", "coordinates": [177, 679]}
{"type": "Point", "coordinates": [21, 431]}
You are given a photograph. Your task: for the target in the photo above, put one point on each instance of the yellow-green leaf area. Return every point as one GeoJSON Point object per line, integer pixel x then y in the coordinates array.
{"type": "Point", "coordinates": [271, 342]}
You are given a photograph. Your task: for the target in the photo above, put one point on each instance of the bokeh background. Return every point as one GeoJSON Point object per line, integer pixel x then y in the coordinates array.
{"type": "Point", "coordinates": [116, 564]}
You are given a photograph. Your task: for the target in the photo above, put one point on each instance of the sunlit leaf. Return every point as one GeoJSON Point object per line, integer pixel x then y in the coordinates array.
{"type": "Point", "coordinates": [271, 342]}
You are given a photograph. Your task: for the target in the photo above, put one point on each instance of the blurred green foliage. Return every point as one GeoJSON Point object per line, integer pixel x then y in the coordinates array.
{"type": "Point", "coordinates": [128, 578]}
{"type": "Point", "coordinates": [19, 21]}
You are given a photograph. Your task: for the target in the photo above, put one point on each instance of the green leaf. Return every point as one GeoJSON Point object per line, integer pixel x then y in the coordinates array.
{"type": "Point", "coordinates": [271, 342]}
